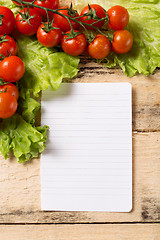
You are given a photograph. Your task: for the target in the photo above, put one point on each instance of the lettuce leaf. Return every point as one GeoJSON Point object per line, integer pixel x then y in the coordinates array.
{"type": "Point", "coordinates": [144, 25]}
{"type": "Point", "coordinates": [29, 108]}
{"type": "Point", "coordinates": [25, 141]}
{"type": "Point", "coordinates": [10, 4]}
{"type": "Point", "coordinates": [45, 67]}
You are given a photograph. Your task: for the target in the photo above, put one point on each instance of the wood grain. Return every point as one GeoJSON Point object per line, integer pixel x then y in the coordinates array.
{"type": "Point", "coordinates": [20, 184]}
{"type": "Point", "coordinates": [81, 232]}
{"type": "Point", "coordinates": [20, 190]}
{"type": "Point", "coordinates": [145, 90]}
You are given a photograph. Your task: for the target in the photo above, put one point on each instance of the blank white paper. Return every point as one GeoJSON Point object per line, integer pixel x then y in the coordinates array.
{"type": "Point", "coordinates": [87, 165]}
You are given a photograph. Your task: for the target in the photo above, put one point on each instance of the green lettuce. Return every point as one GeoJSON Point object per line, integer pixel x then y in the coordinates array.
{"type": "Point", "coordinates": [10, 5]}
{"type": "Point", "coordinates": [48, 67]}
{"type": "Point", "coordinates": [25, 141]}
{"type": "Point", "coordinates": [45, 67]}
{"type": "Point", "coordinates": [29, 108]}
{"type": "Point", "coordinates": [144, 25]}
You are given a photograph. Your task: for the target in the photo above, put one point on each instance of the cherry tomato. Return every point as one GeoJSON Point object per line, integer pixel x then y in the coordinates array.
{"type": "Point", "coordinates": [52, 4]}
{"type": "Point", "coordinates": [100, 47]}
{"type": "Point", "coordinates": [62, 22]}
{"type": "Point", "coordinates": [118, 17]}
{"type": "Point", "coordinates": [18, 4]}
{"type": "Point", "coordinates": [11, 69]}
{"type": "Point", "coordinates": [122, 41]}
{"type": "Point", "coordinates": [74, 46]}
{"type": "Point", "coordinates": [7, 20]}
{"type": "Point", "coordinates": [99, 12]}
{"type": "Point", "coordinates": [7, 46]}
{"type": "Point", "coordinates": [24, 27]}
{"type": "Point", "coordinates": [8, 105]}
{"type": "Point", "coordinates": [10, 88]}
{"type": "Point", "coordinates": [51, 38]}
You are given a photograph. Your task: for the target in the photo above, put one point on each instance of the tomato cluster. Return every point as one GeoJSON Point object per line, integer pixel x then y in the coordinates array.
{"type": "Point", "coordinates": [65, 26]}
{"type": "Point", "coordinates": [11, 67]}
{"type": "Point", "coordinates": [53, 26]}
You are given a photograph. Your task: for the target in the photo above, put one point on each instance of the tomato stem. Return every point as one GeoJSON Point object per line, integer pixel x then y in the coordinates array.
{"type": "Point", "coordinates": [48, 25]}
{"type": "Point", "coordinates": [1, 17]}
{"type": "Point", "coordinates": [2, 82]}
{"type": "Point", "coordinates": [70, 11]}
{"type": "Point", "coordinates": [3, 39]}
{"type": "Point", "coordinates": [72, 17]}
{"type": "Point", "coordinates": [72, 34]}
{"type": "Point", "coordinates": [2, 57]}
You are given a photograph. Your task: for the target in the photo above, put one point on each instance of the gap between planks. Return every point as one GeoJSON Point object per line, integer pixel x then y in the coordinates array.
{"type": "Point", "coordinates": [80, 223]}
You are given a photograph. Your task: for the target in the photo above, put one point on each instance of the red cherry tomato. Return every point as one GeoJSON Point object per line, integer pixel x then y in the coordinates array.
{"type": "Point", "coordinates": [7, 46]}
{"type": "Point", "coordinates": [52, 4]}
{"type": "Point", "coordinates": [18, 4]}
{"type": "Point", "coordinates": [10, 88]}
{"type": "Point", "coordinates": [24, 27]}
{"type": "Point", "coordinates": [62, 22]}
{"type": "Point", "coordinates": [51, 38]}
{"type": "Point", "coordinates": [74, 46]}
{"type": "Point", "coordinates": [118, 17]}
{"type": "Point", "coordinates": [7, 20]}
{"type": "Point", "coordinates": [100, 47]}
{"type": "Point", "coordinates": [99, 12]}
{"type": "Point", "coordinates": [8, 105]}
{"type": "Point", "coordinates": [122, 41]}
{"type": "Point", "coordinates": [11, 69]}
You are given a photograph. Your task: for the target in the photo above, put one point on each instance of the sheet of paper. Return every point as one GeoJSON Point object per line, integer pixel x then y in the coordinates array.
{"type": "Point", "coordinates": [87, 165]}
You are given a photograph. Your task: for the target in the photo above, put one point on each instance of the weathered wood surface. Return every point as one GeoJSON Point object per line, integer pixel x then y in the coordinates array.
{"type": "Point", "coordinates": [146, 97]}
{"type": "Point", "coordinates": [81, 232]}
{"type": "Point", "coordinates": [20, 190]}
{"type": "Point", "coordinates": [20, 184]}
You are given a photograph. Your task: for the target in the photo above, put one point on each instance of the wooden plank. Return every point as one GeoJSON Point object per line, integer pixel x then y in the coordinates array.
{"type": "Point", "coordinates": [145, 93]}
{"type": "Point", "coordinates": [81, 232]}
{"type": "Point", "coordinates": [145, 90]}
{"type": "Point", "coordinates": [20, 184]}
{"type": "Point", "coordinates": [20, 190]}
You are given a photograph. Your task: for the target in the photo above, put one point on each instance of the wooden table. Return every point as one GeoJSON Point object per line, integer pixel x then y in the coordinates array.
{"type": "Point", "coordinates": [20, 214]}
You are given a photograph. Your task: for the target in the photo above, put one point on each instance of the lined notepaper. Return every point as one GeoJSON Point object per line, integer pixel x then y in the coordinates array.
{"type": "Point", "coordinates": [87, 165]}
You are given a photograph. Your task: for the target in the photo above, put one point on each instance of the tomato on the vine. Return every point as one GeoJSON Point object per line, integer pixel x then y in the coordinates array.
{"type": "Point", "coordinates": [52, 4]}
{"type": "Point", "coordinates": [8, 105]}
{"type": "Point", "coordinates": [100, 47]}
{"type": "Point", "coordinates": [7, 46]}
{"type": "Point", "coordinates": [118, 17]}
{"type": "Point", "coordinates": [50, 37]}
{"type": "Point", "coordinates": [122, 41]}
{"type": "Point", "coordinates": [18, 4]}
{"type": "Point", "coordinates": [62, 22]}
{"type": "Point", "coordinates": [75, 45]}
{"type": "Point", "coordinates": [12, 69]}
{"type": "Point", "coordinates": [10, 88]}
{"type": "Point", "coordinates": [29, 23]}
{"type": "Point", "coordinates": [94, 13]}
{"type": "Point", "coordinates": [7, 20]}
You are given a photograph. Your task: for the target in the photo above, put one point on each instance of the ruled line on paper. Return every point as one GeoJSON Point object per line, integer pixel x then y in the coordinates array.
{"type": "Point", "coordinates": [89, 150]}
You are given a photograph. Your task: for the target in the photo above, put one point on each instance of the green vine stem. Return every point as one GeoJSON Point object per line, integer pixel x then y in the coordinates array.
{"type": "Point", "coordinates": [69, 18]}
